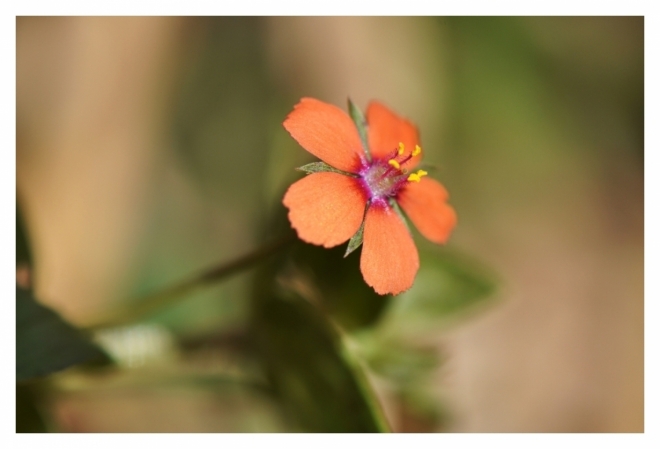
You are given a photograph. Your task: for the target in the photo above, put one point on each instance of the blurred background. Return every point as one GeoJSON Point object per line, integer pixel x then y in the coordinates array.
{"type": "Point", "coordinates": [150, 149]}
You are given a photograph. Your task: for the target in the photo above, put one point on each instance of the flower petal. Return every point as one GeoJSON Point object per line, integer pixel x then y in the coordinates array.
{"type": "Point", "coordinates": [389, 260]}
{"type": "Point", "coordinates": [327, 132]}
{"type": "Point", "coordinates": [386, 130]}
{"type": "Point", "coordinates": [325, 208]}
{"type": "Point", "coordinates": [425, 203]}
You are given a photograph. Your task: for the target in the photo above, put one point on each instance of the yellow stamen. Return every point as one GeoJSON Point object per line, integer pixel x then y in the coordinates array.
{"type": "Point", "coordinates": [415, 177]}
{"type": "Point", "coordinates": [417, 150]}
{"type": "Point", "coordinates": [401, 149]}
{"type": "Point", "coordinates": [394, 164]}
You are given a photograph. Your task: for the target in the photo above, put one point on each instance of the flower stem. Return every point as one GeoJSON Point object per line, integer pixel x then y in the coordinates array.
{"type": "Point", "coordinates": [149, 304]}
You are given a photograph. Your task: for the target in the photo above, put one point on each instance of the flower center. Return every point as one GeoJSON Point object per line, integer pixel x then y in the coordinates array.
{"type": "Point", "coordinates": [383, 178]}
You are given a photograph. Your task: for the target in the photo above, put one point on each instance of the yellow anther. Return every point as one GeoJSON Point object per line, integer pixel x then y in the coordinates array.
{"type": "Point", "coordinates": [415, 177]}
{"type": "Point", "coordinates": [417, 150]}
{"type": "Point", "coordinates": [394, 164]}
{"type": "Point", "coordinates": [402, 148]}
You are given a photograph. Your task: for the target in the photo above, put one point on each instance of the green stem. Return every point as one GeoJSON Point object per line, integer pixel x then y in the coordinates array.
{"type": "Point", "coordinates": [155, 301]}
{"type": "Point", "coordinates": [358, 370]}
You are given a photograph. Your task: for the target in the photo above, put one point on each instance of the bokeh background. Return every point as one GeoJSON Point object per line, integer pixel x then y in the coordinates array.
{"type": "Point", "coordinates": [149, 149]}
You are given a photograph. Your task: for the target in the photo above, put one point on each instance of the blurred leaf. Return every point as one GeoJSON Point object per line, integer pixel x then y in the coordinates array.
{"type": "Point", "coordinates": [23, 253]}
{"type": "Point", "coordinates": [45, 343]}
{"type": "Point", "coordinates": [447, 285]}
{"type": "Point", "coordinates": [303, 357]}
{"type": "Point", "coordinates": [342, 290]}
{"type": "Point", "coordinates": [396, 360]}
{"type": "Point", "coordinates": [28, 419]}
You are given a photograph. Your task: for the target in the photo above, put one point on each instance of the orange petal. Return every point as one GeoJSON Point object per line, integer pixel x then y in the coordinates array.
{"type": "Point", "coordinates": [327, 132]}
{"type": "Point", "coordinates": [389, 259]}
{"type": "Point", "coordinates": [325, 208]}
{"type": "Point", "coordinates": [386, 130]}
{"type": "Point", "coordinates": [425, 203]}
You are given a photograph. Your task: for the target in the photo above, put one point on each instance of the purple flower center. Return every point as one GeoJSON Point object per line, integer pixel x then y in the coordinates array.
{"type": "Point", "coordinates": [381, 181]}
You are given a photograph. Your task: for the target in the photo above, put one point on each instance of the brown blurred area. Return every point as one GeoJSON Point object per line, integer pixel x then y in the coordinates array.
{"type": "Point", "coordinates": [535, 124]}
{"type": "Point", "coordinates": [90, 110]}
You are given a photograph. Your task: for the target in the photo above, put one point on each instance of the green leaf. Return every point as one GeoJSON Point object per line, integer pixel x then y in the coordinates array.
{"type": "Point", "coordinates": [316, 383]}
{"type": "Point", "coordinates": [344, 294]}
{"type": "Point", "coordinates": [398, 361]}
{"type": "Point", "coordinates": [447, 286]}
{"type": "Point", "coordinates": [316, 167]}
{"type": "Point", "coordinates": [361, 125]}
{"type": "Point", "coordinates": [45, 343]}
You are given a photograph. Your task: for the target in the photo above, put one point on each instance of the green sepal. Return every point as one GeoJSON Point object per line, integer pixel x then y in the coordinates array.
{"type": "Point", "coordinates": [361, 125]}
{"type": "Point", "coordinates": [317, 167]}
{"type": "Point", "coordinates": [399, 212]}
{"type": "Point", "coordinates": [355, 241]}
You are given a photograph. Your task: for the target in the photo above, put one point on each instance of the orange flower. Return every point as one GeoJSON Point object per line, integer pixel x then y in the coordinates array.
{"type": "Point", "coordinates": [355, 193]}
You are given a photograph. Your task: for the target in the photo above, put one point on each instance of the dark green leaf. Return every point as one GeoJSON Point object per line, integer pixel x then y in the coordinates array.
{"type": "Point", "coordinates": [361, 125]}
{"type": "Point", "coordinates": [344, 294]}
{"type": "Point", "coordinates": [28, 418]}
{"type": "Point", "coordinates": [316, 384]}
{"type": "Point", "coordinates": [316, 167]}
{"type": "Point", "coordinates": [44, 342]}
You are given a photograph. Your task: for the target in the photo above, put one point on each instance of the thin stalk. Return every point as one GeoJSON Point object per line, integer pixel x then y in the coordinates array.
{"type": "Point", "coordinates": [149, 304]}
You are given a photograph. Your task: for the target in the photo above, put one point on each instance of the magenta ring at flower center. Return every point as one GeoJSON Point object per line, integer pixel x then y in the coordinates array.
{"type": "Point", "coordinates": [381, 181]}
